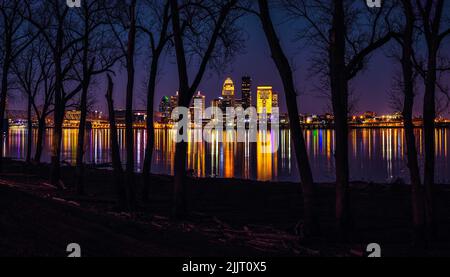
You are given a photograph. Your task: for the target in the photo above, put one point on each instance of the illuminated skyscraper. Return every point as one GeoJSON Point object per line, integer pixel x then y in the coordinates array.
{"type": "Point", "coordinates": [198, 105]}
{"type": "Point", "coordinates": [228, 94]}
{"type": "Point", "coordinates": [275, 103]}
{"type": "Point", "coordinates": [174, 103]}
{"type": "Point", "coordinates": [246, 90]}
{"type": "Point", "coordinates": [216, 103]}
{"type": "Point", "coordinates": [228, 88]}
{"type": "Point", "coordinates": [164, 107]}
{"type": "Point", "coordinates": [264, 100]}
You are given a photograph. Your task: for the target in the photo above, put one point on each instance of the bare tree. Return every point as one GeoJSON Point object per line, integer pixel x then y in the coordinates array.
{"type": "Point", "coordinates": [56, 24]}
{"type": "Point", "coordinates": [204, 28]}
{"type": "Point", "coordinates": [406, 39]}
{"type": "Point", "coordinates": [15, 38]}
{"type": "Point", "coordinates": [343, 48]}
{"type": "Point", "coordinates": [43, 102]}
{"type": "Point", "coordinates": [431, 16]}
{"type": "Point", "coordinates": [158, 33]}
{"type": "Point", "coordinates": [286, 74]}
{"type": "Point", "coordinates": [26, 69]}
{"type": "Point", "coordinates": [123, 22]}
{"type": "Point", "coordinates": [115, 150]}
{"type": "Point", "coordinates": [97, 57]}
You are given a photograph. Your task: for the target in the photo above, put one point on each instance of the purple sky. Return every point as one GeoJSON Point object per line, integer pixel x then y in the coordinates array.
{"type": "Point", "coordinates": [371, 86]}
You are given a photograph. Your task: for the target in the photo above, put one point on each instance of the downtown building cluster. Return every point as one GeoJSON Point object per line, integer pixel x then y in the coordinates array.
{"type": "Point", "coordinates": [266, 101]}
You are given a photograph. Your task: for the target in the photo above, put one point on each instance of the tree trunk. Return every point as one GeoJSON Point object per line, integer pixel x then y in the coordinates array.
{"type": "Point", "coordinates": [156, 54]}
{"type": "Point", "coordinates": [414, 171]}
{"type": "Point", "coordinates": [58, 115]}
{"type": "Point", "coordinates": [129, 134]}
{"type": "Point", "coordinates": [40, 138]}
{"type": "Point", "coordinates": [339, 97]}
{"type": "Point", "coordinates": [284, 68]}
{"type": "Point", "coordinates": [343, 212]}
{"type": "Point", "coordinates": [186, 93]}
{"type": "Point", "coordinates": [56, 148]}
{"type": "Point", "coordinates": [83, 104]}
{"type": "Point", "coordinates": [3, 98]}
{"type": "Point", "coordinates": [180, 206]}
{"type": "Point", "coordinates": [180, 196]}
{"type": "Point", "coordinates": [59, 110]}
{"type": "Point", "coordinates": [429, 116]}
{"type": "Point", "coordinates": [115, 151]}
{"type": "Point", "coordinates": [29, 129]}
{"type": "Point", "coordinates": [150, 129]}
{"type": "Point", "coordinates": [408, 106]}
{"type": "Point", "coordinates": [81, 138]}
{"type": "Point", "coordinates": [432, 18]}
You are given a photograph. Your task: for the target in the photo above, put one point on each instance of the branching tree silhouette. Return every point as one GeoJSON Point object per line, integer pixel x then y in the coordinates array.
{"type": "Point", "coordinates": [123, 22]}
{"type": "Point", "coordinates": [205, 28]}
{"type": "Point", "coordinates": [43, 102]}
{"type": "Point", "coordinates": [286, 74]}
{"type": "Point", "coordinates": [158, 32]}
{"type": "Point", "coordinates": [435, 32]}
{"type": "Point", "coordinates": [333, 27]}
{"type": "Point", "coordinates": [57, 26]}
{"type": "Point", "coordinates": [115, 150]}
{"type": "Point", "coordinates": [30, 79]}
{"type": "Point", "coordinates": [406, 38]}
{"type": "Point", "coordinates": [16, 37]}
{"type": "Point", "coordinates": [97, 56]}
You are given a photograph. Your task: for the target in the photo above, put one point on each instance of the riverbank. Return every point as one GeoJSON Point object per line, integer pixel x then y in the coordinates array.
{"type": "Point", "coordinates": [242, 218]}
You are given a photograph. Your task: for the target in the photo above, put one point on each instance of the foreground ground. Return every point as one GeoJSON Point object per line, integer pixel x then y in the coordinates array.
{"type": "Point", "coordinates": [227, 218]}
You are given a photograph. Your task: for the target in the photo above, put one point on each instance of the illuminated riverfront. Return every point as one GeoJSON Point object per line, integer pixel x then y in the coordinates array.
{"type": "Point", "coordinates": [377, 144]}
{"type": "Point", "coordinates": [375, 154]}
{"type": "Point", "coordinates": [265, 101]}
{"type": "Point", "coordinates": [308, 121]}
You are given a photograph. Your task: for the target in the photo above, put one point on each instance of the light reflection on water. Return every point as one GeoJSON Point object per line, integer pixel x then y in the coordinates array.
{"type": "Point", "coordinates": [375, 154]}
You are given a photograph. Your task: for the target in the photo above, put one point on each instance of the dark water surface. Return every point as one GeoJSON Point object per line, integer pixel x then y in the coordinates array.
{"type": "Point", "coordinates": [375, 154]}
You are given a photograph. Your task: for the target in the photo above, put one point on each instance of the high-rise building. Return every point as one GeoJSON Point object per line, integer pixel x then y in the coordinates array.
{"type": "Point", "coordinates": [174, 103]}
{"type": "Point", "coordinates": [216, 103]}
{"type": "Point", "coordinates": [238, 103]}
{"type": "Point", "coordinates": [198, 106]}
{"type": "Point", "coordinates": [228, 88]}
{"type": "Point", "coordinates": [165, 108]}
{"type": "Point", "coordinates": [264, 100]}
{"type": "Point", "coordinates": [228, 94]}
{"type": "Point", "coordinates": [275, 103]}
{"type": "Point", "coordinates": [164, 105]}
{"type": "Point", "coordinates": [246, 90]}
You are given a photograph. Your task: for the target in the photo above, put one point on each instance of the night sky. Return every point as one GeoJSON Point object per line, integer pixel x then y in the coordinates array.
{"type": "Point", "coordinates": [371, 86]}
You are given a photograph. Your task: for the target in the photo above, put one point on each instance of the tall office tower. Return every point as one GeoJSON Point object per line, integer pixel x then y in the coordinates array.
{"type": "Point", "coordinates": [164, 107]}
{"type": "Point", "coordinates": [246, 90]}
{"type": "Point", "coordinates": [275, 103]}
{"type": "Point", "coordinates": [174, 103]}
{"type": "Point", "coordinates": [216, 103]}
{"type": "Point", "coordinates": [264, 100]}
{"type": "Point", "coordinates": [198, 105]}
{"type": "Point", "coordinates": [228, 94]}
